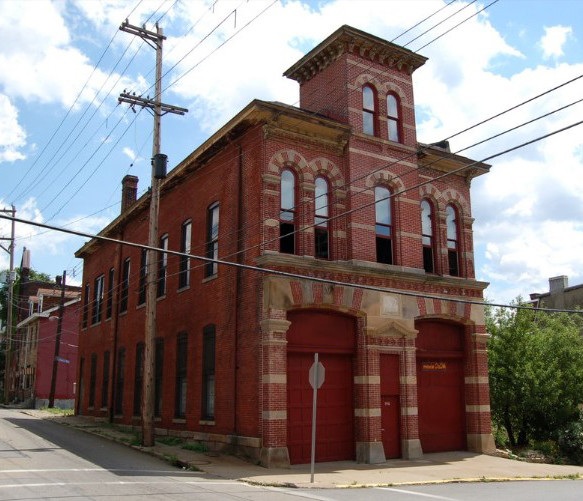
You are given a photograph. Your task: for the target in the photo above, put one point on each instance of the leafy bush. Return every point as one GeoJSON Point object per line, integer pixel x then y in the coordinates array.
{"type": "Point", "coordinates": [570, 441]}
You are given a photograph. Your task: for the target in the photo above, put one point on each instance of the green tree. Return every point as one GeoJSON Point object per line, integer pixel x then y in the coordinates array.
{"type": "Point", "coordinates": [536, 372]}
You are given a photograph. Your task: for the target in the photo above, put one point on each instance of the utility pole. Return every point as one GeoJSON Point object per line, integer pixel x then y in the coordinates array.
{"type": "Point", "coordinates": [9, 321]}
{"type": "Point", "coordinates": [154, 39]}
{"type": "Point", "coordinates": [58, 342]}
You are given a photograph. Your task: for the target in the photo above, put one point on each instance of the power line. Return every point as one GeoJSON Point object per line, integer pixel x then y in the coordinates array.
{"type": "Point", "coordinates": [285, 273]}
{"type": "Point", "coordinates": [71, 107]}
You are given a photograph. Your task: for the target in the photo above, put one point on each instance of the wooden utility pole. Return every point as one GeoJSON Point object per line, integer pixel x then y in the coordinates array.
{"type": "Point", "coordinates": [158, 173]}
{"type": "Point", "coordinates": [9, 299]}
{"type": "Point", "coordinates": [58, 342]}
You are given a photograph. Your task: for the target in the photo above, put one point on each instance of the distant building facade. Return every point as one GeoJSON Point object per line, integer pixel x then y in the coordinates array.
{"type": "Point", "coordinates": [37, 336]}
{"type": "Point", "coordinates": [560, 295]}
{"type": "Point", "coordinates": [340, 189]}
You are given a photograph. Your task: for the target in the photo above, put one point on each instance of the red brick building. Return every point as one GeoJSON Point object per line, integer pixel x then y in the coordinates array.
{"type": "Point", "coordinates": [36, 351]}
{"type": "Point", "coordinates": [295, 189]}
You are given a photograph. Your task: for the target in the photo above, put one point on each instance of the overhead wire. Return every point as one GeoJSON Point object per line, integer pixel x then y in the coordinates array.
{"type": "Point", "coordinates": [325, 280]}
{"type": "Point", "coordinates": [70, 108]}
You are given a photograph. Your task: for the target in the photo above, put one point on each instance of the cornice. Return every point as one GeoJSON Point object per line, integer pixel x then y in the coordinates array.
{"type": "Point", "coordinates": [352, 41]}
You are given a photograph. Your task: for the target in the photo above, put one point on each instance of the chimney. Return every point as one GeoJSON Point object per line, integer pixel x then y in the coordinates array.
{"type": "Point", "coordinates": [25, 265]}
{"type": "Point", "coordinates": [129, 192]}
{"type": "Point", "coordinates": [59, 280]}
{"type": "Point", "coordinates": [558, 284]}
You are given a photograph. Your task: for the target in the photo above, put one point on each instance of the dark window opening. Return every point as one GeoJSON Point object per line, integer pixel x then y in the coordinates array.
{"type": "Point", "coordinates": [181, 360]}
{"type": "Point", "coordinates": [162, 266]}
{"type": "Point", "coordinates": [86, 306]}
{"type": "Point", "coordinates": [427, 236]}
{"type": "Point", "coordinates": [119, 382]}
{"type": "Point", "coordinates": [138, 379]}
{"type": "Point", "coordinates": [383, 226]}
{"type": "Point", "coordinates": [158, 371]}
{"type": "Point", "coordinates": [287, 215]}
{"type": "Point", "coordinates": [212, 237]}
{"type": "Point", "coordinates": [321, 230]}
{"type": "Point", "coordinates": [452, 241]}
{"type": "Point", "coordinates": [105, 380]}
{"type": "Point", "coordinates": [97, 299]}
{"type": "Point", "coordinates": [208, 373]}
{"type": "Point", "coordinates": [92, 377]}
{"type": "Point", "coordinates": [143, 277]}
{"type": "Point", "coordinates": [125, 286]}
{"type": "Point", "coordinates": [110, 284]}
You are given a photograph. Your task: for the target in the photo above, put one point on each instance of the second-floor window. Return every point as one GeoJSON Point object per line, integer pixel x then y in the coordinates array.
{"type": "Point", "coordinates": [162, 266]}
{"type": "Point", "coordinates": [184, 266]}
{"type": "Point", "coordinates": [384, 225]}
{"type": "Point", "coordinates": [427, 236]}
{"type": "Point", "coordinates": [321, 230]}
{"type": "Point", "coordinates": [369, 117]}
{"type": "Point", "coordinates": [393, 118]}
{"type": "Point", "coordinates": [143, 276]}
{"type": "Point", "coordinates": [85, 306]}
{"type": "Point", "coordinates": [287, 215]}
{"type": "Point", "coordinates": [452, 241]}
{"type": "Point", "coordinates": [98, 299]}
{"type": "Point", "coordinates": [212, 240]}
{"type": "Point", "coordinates": [125, 286]}
{"type": "Point", "coordinates": [110, 284]}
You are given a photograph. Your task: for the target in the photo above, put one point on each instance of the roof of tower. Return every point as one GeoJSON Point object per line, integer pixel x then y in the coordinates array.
{"type": "Point", "coordinates": [351, 40]}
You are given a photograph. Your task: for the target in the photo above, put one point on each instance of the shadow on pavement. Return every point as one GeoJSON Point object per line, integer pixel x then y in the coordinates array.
{"type": "Point", "coordinates": [99, 451]}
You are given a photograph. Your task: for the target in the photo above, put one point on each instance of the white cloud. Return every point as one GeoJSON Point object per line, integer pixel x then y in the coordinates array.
{"type": "Point", "coordinates": [39, 62]}
{"type": "Point", "coordinates": [12, 134]}
{"type": "Point", "coordinates": [553, 40]}
{"type": "Point", "coordinates": [128, 152]}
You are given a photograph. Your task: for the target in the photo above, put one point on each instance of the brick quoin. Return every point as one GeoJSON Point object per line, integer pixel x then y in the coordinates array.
{"type": "Point", "coordinates": [240, 168]}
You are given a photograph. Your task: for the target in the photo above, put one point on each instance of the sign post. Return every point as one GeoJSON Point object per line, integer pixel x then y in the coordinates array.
{"type": "Point", "coordinates": [316, 378]}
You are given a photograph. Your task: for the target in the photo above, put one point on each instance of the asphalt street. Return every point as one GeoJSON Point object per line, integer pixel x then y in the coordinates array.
{"type": "Point", "coordinates": [40, 459]}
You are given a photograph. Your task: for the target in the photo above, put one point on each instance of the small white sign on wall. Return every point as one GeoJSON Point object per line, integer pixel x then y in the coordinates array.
{"type": "Point", "coordinates": [390, 305]}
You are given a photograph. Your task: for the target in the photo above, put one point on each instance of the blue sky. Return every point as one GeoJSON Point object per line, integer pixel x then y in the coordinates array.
{"type": "Point", "coordinates": [64, 147]}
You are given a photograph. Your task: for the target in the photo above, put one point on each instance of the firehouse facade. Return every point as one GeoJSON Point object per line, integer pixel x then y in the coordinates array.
{"type": "Point", "coordinates": [339, 189]}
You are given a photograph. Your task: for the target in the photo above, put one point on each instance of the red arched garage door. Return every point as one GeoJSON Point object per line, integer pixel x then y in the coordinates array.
{"type": "Point", "coordinates": [332, 336]}
{"type": "Point", "coordinates": [440, 386]}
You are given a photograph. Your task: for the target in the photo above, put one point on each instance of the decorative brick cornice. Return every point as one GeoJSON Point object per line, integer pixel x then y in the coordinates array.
{"type": "Point", "coordinates": [350, 40]}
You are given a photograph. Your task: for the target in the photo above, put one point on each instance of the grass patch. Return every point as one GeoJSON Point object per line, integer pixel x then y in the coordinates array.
{"type": "Point", "coordinates": [58, 412]}
{"type": "Point", "coordinates": [195, 447]}
{"type": "Point", "coordinates": [170, 440]}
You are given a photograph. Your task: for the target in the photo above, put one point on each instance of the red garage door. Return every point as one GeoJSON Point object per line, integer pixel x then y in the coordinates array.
{"type": "Point", "coordinates": [332, 336]}
{"type": "Point", "coordinates": [440, 387]}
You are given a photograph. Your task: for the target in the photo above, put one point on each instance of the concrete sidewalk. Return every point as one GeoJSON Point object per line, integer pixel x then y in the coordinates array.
{"type": "Point", "coordinates": [438, 467]}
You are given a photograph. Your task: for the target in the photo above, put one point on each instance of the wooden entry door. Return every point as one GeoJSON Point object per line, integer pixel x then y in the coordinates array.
{"type": "Point", "coordinates": [391, 426]}
{"type": "Point", "coordinates": [390, 406]}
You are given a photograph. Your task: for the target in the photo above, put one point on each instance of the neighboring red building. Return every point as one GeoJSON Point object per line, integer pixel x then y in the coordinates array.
{"type": "Point", "coordinates": [296, 191]}
{"type": "Point", "coordinates": [37, 336]}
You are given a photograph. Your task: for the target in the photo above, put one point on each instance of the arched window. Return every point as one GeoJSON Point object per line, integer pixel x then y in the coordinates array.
{"type": "Point", "coordinates": [287, 215]}
{"type": "Point", "coordinates": [369, 117]}
{"type": "Point", "coordinates": [321, 233]}
{"type": "Point", "coordinates": [452, 241]}
{"type": "Point", "coordinates": [384, 225]}
{"type": "Point", "coordinates": [427, 236]}
{"type": "Point", "coordinates": [393, 118]}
